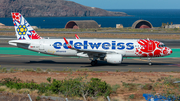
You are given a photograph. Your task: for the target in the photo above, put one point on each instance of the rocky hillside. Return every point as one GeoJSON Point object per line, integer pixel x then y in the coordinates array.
{"type": "Point", "coordinates": [51, 8]}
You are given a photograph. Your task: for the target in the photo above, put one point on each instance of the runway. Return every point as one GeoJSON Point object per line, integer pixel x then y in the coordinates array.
{"type": "Point", "coordinates": [62, 63]}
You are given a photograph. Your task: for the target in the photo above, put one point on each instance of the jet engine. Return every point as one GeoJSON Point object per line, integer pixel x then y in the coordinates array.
{"type": "Point", "coordinates": [114, 58]}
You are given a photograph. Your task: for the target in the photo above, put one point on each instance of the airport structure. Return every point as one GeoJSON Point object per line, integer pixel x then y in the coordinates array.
{"type": "Point", "coordinates": [173, 26]}
{"type": "Point", "coordinates": [142, 24]}
{"type": "Point", "coordinates": [82, 24]}
{"type": "Point", "coordinates": [119, 26]}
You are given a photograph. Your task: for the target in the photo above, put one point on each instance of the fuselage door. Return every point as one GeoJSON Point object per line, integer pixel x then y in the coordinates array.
{"type": "Point", "coordinates": [41, 45]}
{"type": "Point", "coordinates": [150, 46]}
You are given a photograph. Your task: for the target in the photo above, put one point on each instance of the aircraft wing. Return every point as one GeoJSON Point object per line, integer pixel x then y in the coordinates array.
{"type": "Point", "coordinates": [87, 50]}
{"type": "Point", "coordinates": [94, 51]}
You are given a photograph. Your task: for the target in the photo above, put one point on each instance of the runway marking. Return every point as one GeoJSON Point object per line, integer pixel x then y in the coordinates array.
{"type": "Point", "coordinates": [9, 55]}
{"type": "Point", "coordinates": [152, 61]}
{"type": "Point", "coordinates": [140, 59]}
{"type": "Point", "coordinates": [50, 58]}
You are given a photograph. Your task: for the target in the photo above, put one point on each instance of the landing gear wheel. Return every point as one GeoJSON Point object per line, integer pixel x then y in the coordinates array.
{"type": "Point", "coordinates": [93, 63]}
{"type": "Point", "coordinates": [96, 62]}
{"type": "Point", "coordinates": [150, 63]}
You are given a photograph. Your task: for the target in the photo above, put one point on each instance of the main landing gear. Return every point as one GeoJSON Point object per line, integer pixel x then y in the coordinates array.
{"type": "Point", "coordinates": [149, 59]}
{"type": "Point", "coordinates": [94, 62]}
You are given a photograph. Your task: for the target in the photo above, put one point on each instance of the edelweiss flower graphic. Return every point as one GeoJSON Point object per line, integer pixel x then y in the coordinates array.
{"type": "Point", "coordinates": [23, 30]}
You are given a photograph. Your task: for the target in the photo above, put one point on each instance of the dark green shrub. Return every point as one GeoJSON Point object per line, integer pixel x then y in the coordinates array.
{"type": "Point", "coordinates": [70, 87]}
{"type": "Point", "coordinates": [43, 87]}
{"type": "Point", "coordinates": [55, 86]}
{"type": "Point", "coordinates": [49, 79]}
{"type": "Point", "coordinates": [98, 88]}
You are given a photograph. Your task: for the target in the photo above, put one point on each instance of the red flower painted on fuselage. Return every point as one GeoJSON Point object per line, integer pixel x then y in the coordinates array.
{"type": "Point", "coordinates": [147, 45]}
{"type": "Point", "coordinates": [148, 48]}
{"type": "Point", "coordinates": [157, 53]}
{"type": "Point", "coordinates": [152, 48]}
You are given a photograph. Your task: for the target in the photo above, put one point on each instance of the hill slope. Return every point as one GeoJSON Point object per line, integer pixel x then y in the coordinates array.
{"type": "Point", "coordinates": [52, 8]}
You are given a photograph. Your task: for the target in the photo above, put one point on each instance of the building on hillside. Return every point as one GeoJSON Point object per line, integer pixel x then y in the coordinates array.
{"type": "Point", "coordinates": [82, 24]}
{"type": "Point", "coordinates": [119, 26]}
{"type": "Point", "coordinates": [173, 26]}
{"type": "Point", "coordinates": [142, 24]}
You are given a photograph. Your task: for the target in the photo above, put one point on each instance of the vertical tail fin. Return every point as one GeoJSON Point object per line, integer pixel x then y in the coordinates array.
{"type": "Point", "coordinates": [23, 30]}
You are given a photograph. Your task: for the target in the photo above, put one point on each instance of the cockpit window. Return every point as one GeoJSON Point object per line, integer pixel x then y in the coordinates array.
{"type": "Point", "coordinates": [162, 45]}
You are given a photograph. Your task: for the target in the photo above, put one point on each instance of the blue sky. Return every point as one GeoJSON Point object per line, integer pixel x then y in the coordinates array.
{"type": "Point", "coordinates": [131, 4]}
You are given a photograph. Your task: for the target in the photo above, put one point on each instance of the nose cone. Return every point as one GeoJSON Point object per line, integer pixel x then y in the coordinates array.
{"type": "Point", "coordinates": [169, 51]}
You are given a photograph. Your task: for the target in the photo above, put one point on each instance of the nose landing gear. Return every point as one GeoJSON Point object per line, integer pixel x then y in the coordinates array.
{"type": "Point", "coordinates": [149, 59]}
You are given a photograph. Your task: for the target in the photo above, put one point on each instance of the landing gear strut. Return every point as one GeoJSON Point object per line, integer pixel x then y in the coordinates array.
{"type": "Point", "coordinates": [149, 61]}
{"type": "Point", "coordinates": [93, 62]}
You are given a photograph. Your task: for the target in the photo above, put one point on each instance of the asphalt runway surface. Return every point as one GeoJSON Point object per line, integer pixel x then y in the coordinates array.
{"type": "Point", "coordinates": [62, 63]}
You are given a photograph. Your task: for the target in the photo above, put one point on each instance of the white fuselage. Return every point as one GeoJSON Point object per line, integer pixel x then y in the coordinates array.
{"type": "Point", "coordinates": [126, 47]}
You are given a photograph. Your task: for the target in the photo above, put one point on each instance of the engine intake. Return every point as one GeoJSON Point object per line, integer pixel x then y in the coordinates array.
{"type": "Point", "coordinates": [114, 58]}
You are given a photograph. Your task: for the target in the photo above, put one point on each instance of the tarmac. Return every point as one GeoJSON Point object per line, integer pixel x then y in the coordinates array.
{"type": "Point", "coordinates": [64, 63]}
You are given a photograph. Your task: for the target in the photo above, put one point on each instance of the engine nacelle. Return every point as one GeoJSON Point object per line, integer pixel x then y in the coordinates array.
{"type": "Point", "coordinates": [114, 58]}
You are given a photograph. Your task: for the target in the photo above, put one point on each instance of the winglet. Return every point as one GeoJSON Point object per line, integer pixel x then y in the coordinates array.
{"type": "Point", "coordinates": [77, 37]}
{"type": "Point", "coordinates": [67, 43]}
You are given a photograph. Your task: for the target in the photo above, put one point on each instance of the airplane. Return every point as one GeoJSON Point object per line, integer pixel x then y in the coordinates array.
{"type": "Point", "coordinates": [110, 50]}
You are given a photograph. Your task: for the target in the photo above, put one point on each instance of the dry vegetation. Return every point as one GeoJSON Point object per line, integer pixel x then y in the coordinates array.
{"type": "Point", "coordinates": [127, 85]}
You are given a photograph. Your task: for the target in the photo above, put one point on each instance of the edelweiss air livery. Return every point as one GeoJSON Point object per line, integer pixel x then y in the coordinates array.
{"type": "Point", "coordinates": [110, 50]}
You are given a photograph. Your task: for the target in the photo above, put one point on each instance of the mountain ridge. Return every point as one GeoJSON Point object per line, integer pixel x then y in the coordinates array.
{"type": "Point", "coordinates": [51, 8]}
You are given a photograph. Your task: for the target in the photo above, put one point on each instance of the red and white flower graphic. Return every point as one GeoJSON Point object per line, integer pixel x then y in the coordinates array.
{"type": "Point", "coordinates": [150, 48]}
{"type": "Point", "coordinates": [23, 30]}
